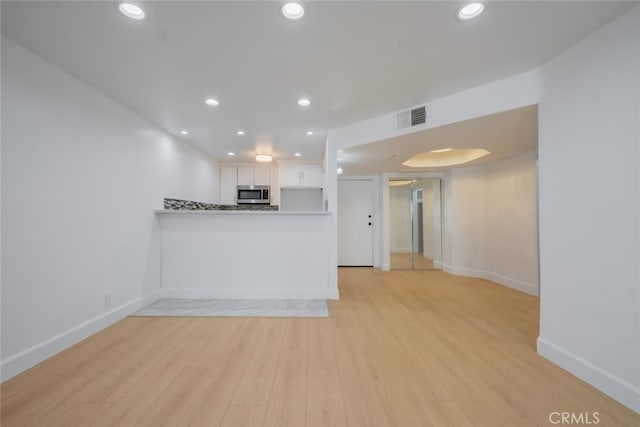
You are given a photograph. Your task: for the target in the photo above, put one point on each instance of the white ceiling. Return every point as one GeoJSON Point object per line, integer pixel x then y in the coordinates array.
{"type": "Point", "coordinates": [353, 60]}
{"type": "Point", "coordinates": [503, 134]}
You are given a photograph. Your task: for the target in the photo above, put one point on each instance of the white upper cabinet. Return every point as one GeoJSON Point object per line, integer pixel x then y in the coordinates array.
{"type": "Point", "coordinates": [311, 175]}
{"type": "Point", "coordinates": [228, 185]}
{"type": "Point", "coordinates": [245, 176]}
{"type": "Point", "coordinates": [262, 176]}
{"type": "Point", "coordinates": [254, 176]}
{"type": "Point", "coordinates": [289, 175]}
{"type": "Point", "coordinates": [300, 175]}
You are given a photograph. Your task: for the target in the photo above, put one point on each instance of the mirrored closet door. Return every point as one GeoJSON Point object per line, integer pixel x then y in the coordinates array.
{"type": "Point", "coordinates": [415, 222]}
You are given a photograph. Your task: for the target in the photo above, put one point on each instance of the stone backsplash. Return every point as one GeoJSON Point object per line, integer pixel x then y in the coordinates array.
{"type": "Point", "coordinates": [190, 205]}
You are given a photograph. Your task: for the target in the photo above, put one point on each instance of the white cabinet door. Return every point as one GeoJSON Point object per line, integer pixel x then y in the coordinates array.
{"type": "Point", "coordinates": [262, 176]}
{"type": "Point", "coordinates": [254, 176]}
{"type": "Point", "coordinates": [228, 184]}
{"type": "Point", "coordinates": [245, 176]}
{"type": "Point", "coordinates": [311, 175]}
{"type": "Point", "coordinates": [301, 176]}
{"type": "Point", "coordinates": [289, 175]}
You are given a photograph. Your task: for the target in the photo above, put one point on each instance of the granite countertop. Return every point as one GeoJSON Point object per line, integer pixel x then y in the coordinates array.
{"type": "Point", "coordinates": [189, 205]}
{"type": "Point", "coordinates": [178, 206]}
{"type": "Point", "coordinates": [236, 212]}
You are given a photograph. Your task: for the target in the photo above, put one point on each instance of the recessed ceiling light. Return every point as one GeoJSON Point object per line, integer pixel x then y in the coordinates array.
{"type": "Point", "coordinates": [184, 132]}
{"type": "Point", "coordinates": [470, 11]}
{"type": "Point", "coordinates": [212, 102]}
{"type": "Point", "coordinates": [442, 150]}
{"type": "Point", "coordinates": [297, 154]}
{"type": "Point", "coordinates": [231, 154]}
{"type": "Point", "coordinates": [264, 158]}
{"type": "Point", "coordinates": [304, 102]}
{"type": "Point", "coordinates": [339, 171]}
{"type": "Point", "coordinates": [309, 132]}
{"type": "Point", "coordinates": [293, 10]}
{"type": "Point", "coordinates": [131, 10]}
{"type": "Point", "coordinates": [240, 132]}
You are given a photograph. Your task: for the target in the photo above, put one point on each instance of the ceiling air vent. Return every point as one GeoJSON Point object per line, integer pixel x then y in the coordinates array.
{"type": "Point", "coordinates": [418, 116]}
{"type": "Point", "coordinates": [409, 118]}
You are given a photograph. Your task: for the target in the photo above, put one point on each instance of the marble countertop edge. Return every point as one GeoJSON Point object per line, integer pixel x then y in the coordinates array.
{"type": "Point", "coordinates": [233, 212]}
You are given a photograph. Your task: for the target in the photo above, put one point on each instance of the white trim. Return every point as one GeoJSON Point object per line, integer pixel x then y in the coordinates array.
{"type": "Point", "coordinates": [509, 282]}
{"type": "Point", "coordinates": [30, 357]}
{"type": "Point", "coordinates": [256, 293]}
{"type": "Point", "coordinates": [447, 268]}
{"type": "Point", "coordinates": [613, 386]}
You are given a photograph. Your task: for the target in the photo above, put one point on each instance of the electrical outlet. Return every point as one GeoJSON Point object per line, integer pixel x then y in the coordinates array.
{"type": "Point", "coordinates": [107, 300]}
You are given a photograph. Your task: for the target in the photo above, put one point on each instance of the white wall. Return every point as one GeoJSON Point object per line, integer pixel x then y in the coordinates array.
{"type": "Point", "coordinates": [245, 255]}
{"type": "Point", "coordinates": [81, 177]}
{"type": "Point", "coordinates": [493, 222]}
{"type": "Point", "coordinates": [590, 209]}
{"type": "Point", "coordinates": [467, 221]}
{"type": "Point", "coordinates": [301, 199]}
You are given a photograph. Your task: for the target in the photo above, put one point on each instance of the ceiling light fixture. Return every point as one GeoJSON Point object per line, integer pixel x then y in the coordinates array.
{"type": "Point", "coordinates": [231, 154]}
{"type": "Point", "coordinates": [293, 10]}
{"type": "Point", "coordinates": [131, 10]}
{"type": "Point", "coordinates": [470, 11]}
{"type": "Point", "coordinates": [309, 132]}
{"type": "Point", "coordinates": [184, 132]}
{"type": "Point", "coordinates": [212, 102]}
{"type": "Point", "coordinates": [442, 150]}
{"type": "Point", "coordinates": [264, 158]}
{"type": "Point", "coordinates": [339, 171]}
{"type": "Point", "coordinates": [304, 102]}
{"type": "Point", "coordinates": [240, 132]}
{"type": "Point", "coordinates": [297, 154]}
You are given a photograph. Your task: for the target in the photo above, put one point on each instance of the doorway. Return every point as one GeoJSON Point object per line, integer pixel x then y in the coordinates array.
{"type": "Point", "coordinates": [415, 224]}
{"type": "Point", "coordinates": [355, 223]}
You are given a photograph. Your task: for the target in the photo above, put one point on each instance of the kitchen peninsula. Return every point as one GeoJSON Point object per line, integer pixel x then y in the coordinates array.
{"type": "Point", "coordinates": [221, 251]}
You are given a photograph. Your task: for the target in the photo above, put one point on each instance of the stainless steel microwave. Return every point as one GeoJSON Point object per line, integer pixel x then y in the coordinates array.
{"type": "Point", "coordinates": [253, 195]}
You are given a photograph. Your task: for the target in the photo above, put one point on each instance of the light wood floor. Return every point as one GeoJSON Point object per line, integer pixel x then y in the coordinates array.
{"type": "Point", "coordinates": [402, 348]}
{"type": "Point", "coordinates": [408, 261]}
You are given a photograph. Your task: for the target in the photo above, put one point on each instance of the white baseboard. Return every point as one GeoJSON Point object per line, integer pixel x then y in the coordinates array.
{"type": "Point", "coordinates": [518, 285]}
{"type": "Point", "coordinates": [234, 293]}
{"type": "Point", "coordinates": [24, 360]}
{"type": "Point", "coordinates": [618, 389]}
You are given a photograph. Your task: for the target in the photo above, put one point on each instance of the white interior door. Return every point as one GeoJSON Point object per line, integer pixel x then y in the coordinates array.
{"type": "Point", "coordinates": [355, 222]}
